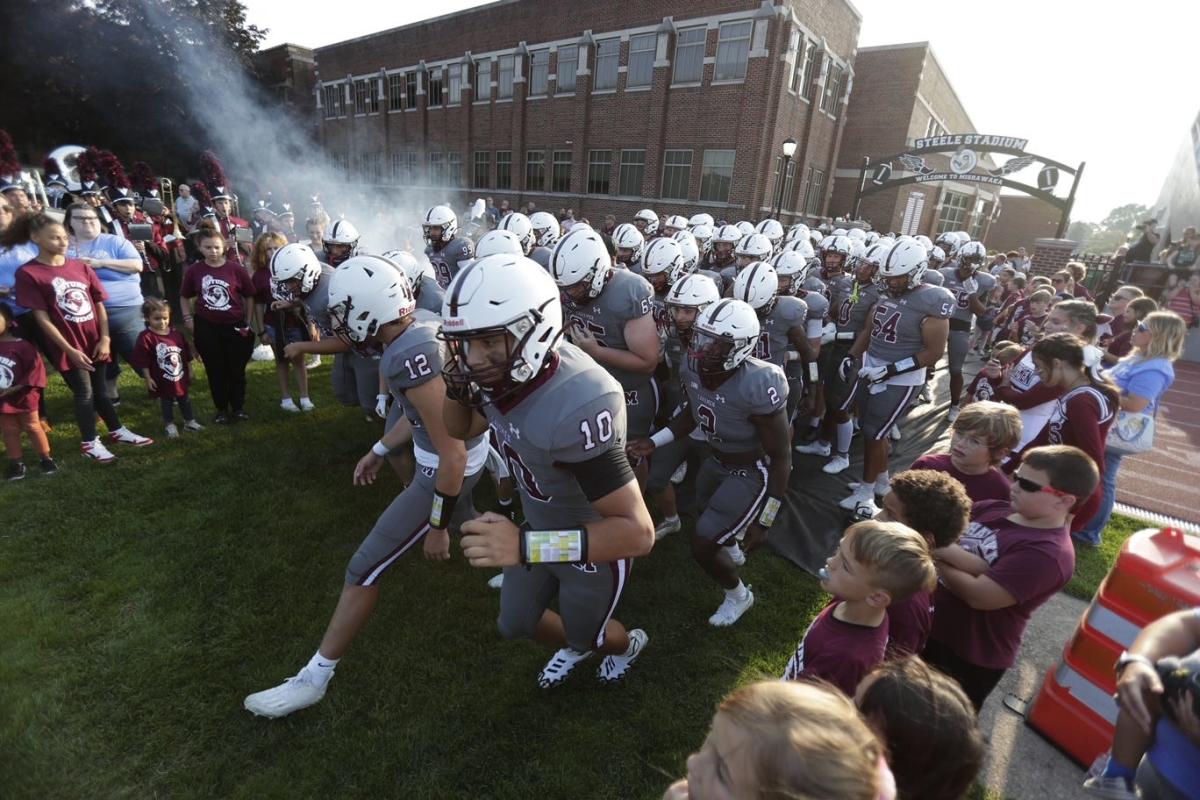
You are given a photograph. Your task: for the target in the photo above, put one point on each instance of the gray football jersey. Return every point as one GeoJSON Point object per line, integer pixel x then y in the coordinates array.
{"type": "Point", "coordinates": [813, 283]}
{"type": "Point", "coordinates": [430, 295]}
{"type": "Point", "coordinates": [837, 290]}
{"type": "Point", "coordinates": [414, 357]}
{"type": "Point", "coordinates": [625, 297]}
{"type": "Point", "coordinates": [818, 305]}
{"type": "Point", "coordinates": [851, 315]}
{"type": "Point", "coordinates": [896, 323]}
{"type": "Point", "coordinates": [446, 261]}
{"type": "Point", "coordinates": [933, 277]}
{"type": "Point", "coordinates": [316, 302]}
{"type": "Point", "coordinates": [715, 277]}
{"type": "Point", "coordinates": [962, 298]}
{"type": "Point", "coordinates": [576, 414]}
{"type": "Point", "coordinates": [773, 341]}
{"type": "Point", "coordinates": [542, 256]}
{"type": "Point", "coordinates": [756, 388]}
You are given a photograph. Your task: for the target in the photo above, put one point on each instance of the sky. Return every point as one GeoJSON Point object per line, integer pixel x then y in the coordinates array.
{"type": "Point", "coordinates": [1113, 85]}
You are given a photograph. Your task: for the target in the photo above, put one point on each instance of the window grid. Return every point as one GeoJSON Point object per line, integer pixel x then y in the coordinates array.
{"type": "Point", "coordinates": [361, 90]}
{"type": "Point", "coordinates": [504, 87]}
{"type": "Point", "coordinates": [539, 71]}
{"type": "Point", "coordinates": [535, 171]}
{"type": "Point", "coordinates": [814, 191]}
{"type": "Point", "coordinates": [689, 55]}
{"type": "Point", "coordinates": [434, 94]}
{"type": "Point", "coordinates": [560, 174]}
{"type": "Point", "coordinates": [733, 50]}
{"type": "Point", "coordinates": [599, 168]}
{"type": "Point", "coordinates": [568, 64]}
{"type": "Point", "coordinates": [677, 173]}
{"type": "Point", "coordinates": [608, 53]}
{"type": "Point", "coordinates": [810, 71]}
{"type": "Point", "coordinates": [454, 170]}
{"type": "Point", "coordinates": [641, 60]}
{"type": "Point", "coordinates": [833, 88]}
{"type": "Point", "coordinates": [633, 172]}
{"type": "Point", "coordinates": [504, 169]}
{"type": "Point", "coordinates": [953, 213]}
{"type": "Point", "coordinates": [716, 175]}
{"type": "Point", "coordinates": [437, 169]}
{"type": "Point", "coordinates": [481, 75]}
{"type": "Point", "coordinates": [483, 171]}
{"type": "Point", "coordinates": [455, 84]}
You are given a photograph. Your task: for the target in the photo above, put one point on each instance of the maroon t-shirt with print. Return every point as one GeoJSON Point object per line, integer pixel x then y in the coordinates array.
{"type": "Point", "coordinates": [220, 292]}
{"type": "Point", "coordinates": [991, 485]}
{"type": "Point", "coordinates": [68, 294]}
{"type": "Point", "coordinates": [264, 296]}
{"type": "Point", "coordinates": [21, 370]}
{"type": "Point", "coordinates": [1031, 564]}
{"type": "Point", "coordinates": [909, 623]}
{"type": "Point", "coordinates": [166, 356]}
{"type": "Point", "coordinates": [836, 651]}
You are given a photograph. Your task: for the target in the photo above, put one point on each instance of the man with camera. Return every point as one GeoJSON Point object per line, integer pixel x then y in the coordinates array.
{"type": "Point", "coordinates": [1156, 746]}
{"type": "Point", "coordinates": [1143, 249]}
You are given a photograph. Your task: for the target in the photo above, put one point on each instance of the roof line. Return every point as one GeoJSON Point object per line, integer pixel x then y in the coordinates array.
{"type": "Point", "coordinates": [418, 23]}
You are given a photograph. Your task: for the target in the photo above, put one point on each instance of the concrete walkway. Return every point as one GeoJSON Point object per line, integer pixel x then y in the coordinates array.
{"type": "Point", "coordinates": [1021, 764]}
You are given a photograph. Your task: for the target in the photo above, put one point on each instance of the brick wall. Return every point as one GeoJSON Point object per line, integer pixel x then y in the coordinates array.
{"type": "Point", "coordinates": [1023, 220]}
{"type": "Point", "coordinates": [1051, 255]}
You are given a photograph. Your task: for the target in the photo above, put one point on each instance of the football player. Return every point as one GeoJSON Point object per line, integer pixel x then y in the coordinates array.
{"type": "Point", "coordinates": [907, 335]}
{"type": "Point", "coordinates": [446, 250]}
{"type": "Point", "coordinates": [425, 288]}
{"type": "Point", "coordinates": [630, 245]}
{"type": "Point", "coordinates": [546, 232]}
{"type": "Point", "coordinates": [339, 242]}
{"type": "Point", "coordinates": [720, 258]}
{"type": "Point", "coordinates": [739, 403]}
{"type": "Point", "coordinates": [559, 420]}
{"type": "Point", "coordinates": [646, 221]}
{"type": "Point", "coordinates": [371, 306]}
{"type": "Point", "coordinates": [969, 290]}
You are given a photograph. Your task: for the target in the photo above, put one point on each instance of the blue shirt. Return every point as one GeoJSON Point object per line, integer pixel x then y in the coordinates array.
{"type": "Point", "coordinates": [11, 259]}
{"type": "Point", "coordinates": [124, 288]}
{"type": "Point", "coordinates": [1148, 378]}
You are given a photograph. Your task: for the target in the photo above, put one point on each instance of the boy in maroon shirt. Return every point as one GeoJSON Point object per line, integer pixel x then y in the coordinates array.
{"type": "Point", "coordinates": [982, 437]}
{"type": "Point", "coordinates": [22, 379]}
{"type": "Point", "coordinates": [161, 354]}
{"type": "Point", "coordinates": [1013, 558]}
{"type": "Point", "coordinates": [1028, 327]}
{"type": "Point", "coordinates": [876, 564]}
{"type": "Point", "coordinates": [936, 506]}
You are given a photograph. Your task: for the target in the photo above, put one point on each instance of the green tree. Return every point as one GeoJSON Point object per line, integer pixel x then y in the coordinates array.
{"type": "Point", "coordinates": [1123, 218]}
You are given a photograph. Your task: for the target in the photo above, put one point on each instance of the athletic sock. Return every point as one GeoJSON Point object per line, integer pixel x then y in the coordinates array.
{"type": "Point", "coordinates": [814, 422]}
{"type": "Point", "coordinates": [1112, 769]}
{"type": "Point", "coordinates": [320, 669]}
{"type": "Point", "coordinates": [845, 432]}
{"type": "Point", "coordinates": [883, 482]}
{"type": "Point", "coordinates": [671, 519]}
{"type": "Point", "coordinates": [505, 503]}
{"type": "Point", "coordinates": [738, 592]}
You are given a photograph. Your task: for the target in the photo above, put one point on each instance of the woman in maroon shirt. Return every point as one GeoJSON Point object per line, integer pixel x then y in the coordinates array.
{"type": "Point", "coordinates": [67, 301]}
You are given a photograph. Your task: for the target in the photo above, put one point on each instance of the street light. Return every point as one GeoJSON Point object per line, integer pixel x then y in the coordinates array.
{"type": "Point", "coordinates": [789, 149]}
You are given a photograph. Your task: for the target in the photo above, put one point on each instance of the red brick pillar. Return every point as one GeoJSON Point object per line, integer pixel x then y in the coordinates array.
{"type": "Point", "coordinates": [1051, 255]}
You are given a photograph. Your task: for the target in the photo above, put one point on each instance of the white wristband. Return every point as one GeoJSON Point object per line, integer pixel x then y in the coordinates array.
{"type": "Point", "coordinates": [380, 450]}
{"type": "Point", "coordinates": [662, 437]}
{"type": "Point", "coordinates": [793, 355]}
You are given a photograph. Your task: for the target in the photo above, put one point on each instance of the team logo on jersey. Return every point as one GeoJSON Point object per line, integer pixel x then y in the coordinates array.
{"type": "Point", "coordinates": [215, 293]}
{"type": "Point", "coordinates": [514, 430]}
{"type": "Point", "coordinates": [981, 541]}
{"type": "Point", "coordinates": [73, 300]}
{"type": "Point", "coordinates": [170, 360]}
{"type": "Point", "coordinates": [963, 161]}
{"type": "Point", "coordinates": [6, 374]}
{"type": "Point", "coordinates": [631, 397]}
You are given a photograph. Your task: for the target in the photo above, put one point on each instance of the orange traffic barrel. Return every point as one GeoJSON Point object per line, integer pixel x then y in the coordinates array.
{"type": "Point", "coordinates": [1157, 572]}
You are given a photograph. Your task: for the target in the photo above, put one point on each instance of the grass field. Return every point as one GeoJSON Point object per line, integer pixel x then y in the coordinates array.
{"type": "Point", "coordinates": [140, 602]}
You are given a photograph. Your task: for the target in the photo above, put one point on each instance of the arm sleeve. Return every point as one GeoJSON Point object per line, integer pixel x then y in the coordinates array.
{"type": "Point", "coordinates": [1147, 383]}
{"type": "Point", "coordinates": [768, 392]}
{"type": "Point", "coordinates": [123, 249]}
{"type": "Point", "coordinates": [27, 292]}
{"type": "Point", "coordinates": [140, 357]}
{"type": "Point", "coordinates": [984, 507]}
{"type": "Point", "coordinates": [603, 474]}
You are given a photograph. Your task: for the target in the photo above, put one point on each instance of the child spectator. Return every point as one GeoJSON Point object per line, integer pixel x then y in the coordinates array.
{"type": "Point", "coordinates": [980, 439]}
{"type": "Point", "coordinates": [162, 355]}
{"type": "Point", "coordinates": [218, 315]}
{"type": "Point", "coordinates": [1028, 328]}
{"type": "Point", "coordinates": [984, 387]}
{"type": "Point", "coordinates": [66, 299]}
{"type": "Point", "coordinates": [1115, 311]}
{"type": "Point", "coordinates": [279, 324]}
{"type": "Point", "coordinates": [1135, 311]}
{"type": "Point", "coordinates": [927, 724]}
{"type": "Point", "coordinates": [985, 323]}
{"type": "Point", "coordinates": [876, 564]}
{"type": "Point", "coordinates": [1013, 558]}
{"type": "Point", "coordinates": [936, 506]}
{"type": "Point", "coordinates": [777, 740]}
{"type": "Point", "coordinates": [22, 379]}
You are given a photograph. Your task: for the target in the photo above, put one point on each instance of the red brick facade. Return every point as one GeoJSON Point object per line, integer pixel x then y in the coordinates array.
{"type": "Point", "coordinates": [750, 116]}
{"type": "Point", "coordinates": [1022, 221]}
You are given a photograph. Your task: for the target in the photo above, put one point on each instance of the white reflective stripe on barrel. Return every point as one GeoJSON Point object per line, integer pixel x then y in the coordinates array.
{"type": "Point", "coordinates": [1088, 693]}
{"type": "Point", "coordinates": [1112, 625]}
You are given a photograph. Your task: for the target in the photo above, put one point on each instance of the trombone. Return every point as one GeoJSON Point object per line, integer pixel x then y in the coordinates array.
{"type": "Point", "coordinates": [167, 190]}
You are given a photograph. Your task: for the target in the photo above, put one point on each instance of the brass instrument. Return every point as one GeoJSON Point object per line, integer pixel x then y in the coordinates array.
{"type": "Point", "coordinates": [167, 190]}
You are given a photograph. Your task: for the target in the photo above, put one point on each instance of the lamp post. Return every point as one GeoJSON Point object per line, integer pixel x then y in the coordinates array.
{"type": "Point", "coordinates": [789, 149]}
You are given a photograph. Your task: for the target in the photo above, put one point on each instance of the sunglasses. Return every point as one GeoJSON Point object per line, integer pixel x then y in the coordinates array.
{"type": "Point", "coordinates": [1034, 487]}
{"type": "Point", "coordinates": [1142, 327]}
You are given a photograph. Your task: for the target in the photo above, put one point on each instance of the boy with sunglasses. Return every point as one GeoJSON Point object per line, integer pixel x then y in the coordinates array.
{"type": "Point", "coordinates": [1015, 555]}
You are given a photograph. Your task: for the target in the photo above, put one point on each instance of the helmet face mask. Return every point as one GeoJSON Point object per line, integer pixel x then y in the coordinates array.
{"type": "Point", "coordinates": [439, 227]}
{"type": "Point", "coordinates": [708, 356]}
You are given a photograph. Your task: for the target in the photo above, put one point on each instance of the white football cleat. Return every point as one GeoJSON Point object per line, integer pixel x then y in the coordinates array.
{"type": "Point", "coordinates": [866, 509]}
{"type": "Point", "coordinates": [838, 463]}
{"type": "Point", "coordinates": [96, 449]}
{"type": "Point", "coordinates": [614, 668]}
{"type": "Point", "coordinates": [860, 494]}
{"type": "Point", "coordinates": [667, 526]}
{"type": "Point", "coordinates": [292, 695]}
{"type": "Point", "coordinates": [559, 667]}
{"type": "Point", "coordinates": [952, 414]}
{"type": "Point", "coordinates": [731, 610]}
{"type": "Point", "coordinates": [496, 581]}
{"type": "Point", "coordinates": [815, 448]}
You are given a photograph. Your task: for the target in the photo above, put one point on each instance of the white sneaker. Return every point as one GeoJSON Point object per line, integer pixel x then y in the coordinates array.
{"type": "Point", "coordinates": [126, 436]}
{"type": "Point", "coordinates": [730, 610]}
{"type": "Point", "coordinates": [667, 526]}
{"type": "Point", "coordinates": [313, 362]}
{"type": "Point", "coordinates": [192, 425]}
{"type": "Point", "coordinates": [496, 581]}
{"type": "Point", "coordinates": [172, 431]}
{"type": "Point", "coordinates": [925, 396]}
{"type": "Point", "coordinates": [866, 509]}
{"type": "Point", "coordinates": [838, 463]}
{"type": "Point", "coordinates": [1112, 788]}
{"type": "Point", "coordinates": [737, 555]}
{"type": "Point", "coordinates": [291, 695]}
{"type": "Point", "coordinates": [953, 413]}
{"type": "Point", "coordinates": [860, 494]}
{"type": "Point", "coordinates": [262, 352]}
{"type": "Point", "coordinates": [289, 405]}
{"type": "Point", "coordinates": [679, 474]}
{"type": "Point", "coordinates": [895, 433]}
{"type": "Point", "coordinates": [614, 668]}
{"type": "Point", "coordinates": [95, 449]}
{"type": "Point", "coordinates": [559, 667]}
{"type": "Point", "coordinates": [306, 404]}
{"type": "Point", "coordinates": [815, 448]}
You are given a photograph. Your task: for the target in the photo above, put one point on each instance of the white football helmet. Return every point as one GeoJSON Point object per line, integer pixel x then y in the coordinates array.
{"type": "Point", "coordinates": [924, 241]}
{"type": "Point", "coordinates": [948, 242]}
{"type": "Point", "coordinates": [797, 231]}
{"type": "Point", "coordinates": [366, 293]}
{"type": "Point", "coordinates": [519, 224]}
{"type": "Point", "coordinates": [746, 228]}
{"type": "Point", "coordinates": [339, 233]}
{"type": "Point", "coordinates": [662, 259]}
{"type": "Point", "coordinates": [857, 251]}
{"type": "Point", "coordinates": [498, 294]}
{"type": "Point", "coordinates": [907, 259]}
{"type": "Point", "coordinates": [443, 217]}
{"type": "Point", "coordinates": [649, 222]}
{"type": "Point", "coordinates": [410, 266]}
{"type": "Point", "coordinates": [815, 237]}
{"type": "Point", "coordinates": [771, 229]}
{"type": "Point", "coordinates": [627, 237]}
{"type": "Point", "coordinates": [580, 265]}
{"type": "Point", "coordinates": [546, 228]}
{"type": "Point", "coordinates": [838, 232]}
{"type": "Point", "coordinates": [499, 241]}
{"type": "Point", "coordinates": [674, 223]}
{"type": "Point", "coordinates": [871, 238]}
{"type": "Point", "coordinates": [834, 245]}
{"type": "Point", "coordinates": [726, 234]}
{"type": "Point", "coordinates": [972, 254]}
{"type": "Point", "coordinates": [867, 266]}
{"type": "Point", "coordinates": [792, 267]}
{"type": "Point", "coordinates": [701, 219]}
{"type": "Point", "coordinates": [801, 246]}
{"type": "Point", "coordinates": [696, 292]}
{"type": "Point", "coordinates": [295, 262]}
{"type": "Point", "coordinates": [704, 235]}
{"type": "Point", "coordinates": [755, 246]}
{"type": "Point", "coordinates": [723, 337]}
{"type": "Point", "coordinates": [757, 285]}
{"type": "Point", "coordinates": [937, 257]}
{"type": "Point", "coordinates": [688, 249]}
{"type": "Point", "coordinates": [858, 234]}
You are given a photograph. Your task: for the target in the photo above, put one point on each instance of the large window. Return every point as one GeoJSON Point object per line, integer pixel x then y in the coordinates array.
{"type": "Point", "coordinates": [410, 90]}
{"type": "Point", "coordinates": [481, 77]}
{"type": "Point", "coordinates": [689, 55]}
{"type": "Point", "coordinates": [539, 70]}
{"type": "Point", "coordinates": [983, 212]}
{"type": "Point", "coordinates": [483, 171]}
{"type": "Point", "coordinates": [633, 172]}
{"type": "Point", "coordinates": [455, 84]}
{"type": "Point", "coordinates": [535, 171]}
{"type": "Point", "coordinates": [437, 169]}
{"type": "Point", "coordinates": [362, 91]}
{"type": "Point", "coordinates": [641, 60]}
{"type": "Point", "coordinates": [504, 85]}
{"type": "Point", "coordinates": [599, 168]}
{"type": "Point", "coordinates": [953, 213]}
{"type": "Point", "coordinates": [395, 92]}
{"type": "Point", "coordinates": [677, 174]}
{"type": "Point", "coordinates": [733, 48]}
{"type": "Point", "coordinates": [608, 52]}
{"type": "Point", "coordinates": [716, 175]}
{"type": "Point", "coordinates": [560, 176]}
{"type": "Point", "coordinates": [809, 74]}
{"type": "Point", "coordinates": [504, 169]}
{"type": "Point", "coordinates": [434, 88]}
{"type": "Point", "coordinates": [814, 192]}
{"type": "Point", "coordinates": [454, 169]}
{"type": "Point", "coordinates": [398, 163]}
{"type": "Point", "coordinates": [833, 88]}
{"type": "Point", "coordinates": [568, 63]}
{"type": "Point", "coordinates": [335, 101]}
